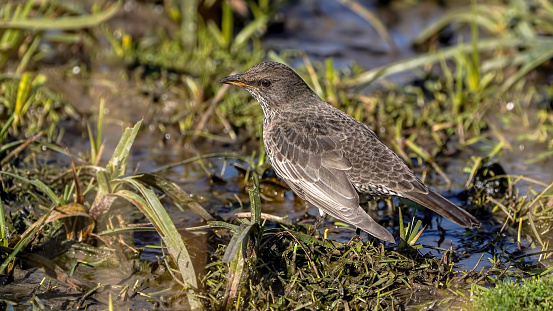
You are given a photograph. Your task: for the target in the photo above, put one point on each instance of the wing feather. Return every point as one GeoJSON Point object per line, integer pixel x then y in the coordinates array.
{"type": "Point", "coordinates": [317, 171]}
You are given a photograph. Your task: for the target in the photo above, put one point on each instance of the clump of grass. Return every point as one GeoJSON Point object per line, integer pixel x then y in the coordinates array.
{"type": "Point", "coordinates": [27, 108]}
{"type": "Point", "coordinates": [26, 22]}
{"type": "Point", "coordinates": [531, 294]}
{"type": "Point", "coordinates": [285, 268]}
{"type": "Point", "coordinates": [294, 270]}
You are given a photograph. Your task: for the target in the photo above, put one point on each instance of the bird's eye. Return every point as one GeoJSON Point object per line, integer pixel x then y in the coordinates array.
{"type": "Point", "coordinates": [265, 83]}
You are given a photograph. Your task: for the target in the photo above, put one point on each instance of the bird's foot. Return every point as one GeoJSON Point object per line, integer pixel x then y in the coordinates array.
{"type": "Point", "coordinates": [356, 238]}
{"type": "Point", "coordinates": [318, 221]}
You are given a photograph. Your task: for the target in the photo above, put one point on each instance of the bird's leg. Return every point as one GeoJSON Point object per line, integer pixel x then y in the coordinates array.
{"type": "Point", "coordinates": [372, 205]}
{"type": "Point", "coordinates": [306, 206]}
{"type": "Point", "coordinates": [318, 221]}
{"type": "Point", "coordinates": [356, 237]}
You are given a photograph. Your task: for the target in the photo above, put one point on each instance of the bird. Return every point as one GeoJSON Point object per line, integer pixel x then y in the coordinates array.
{"type": "Point", "coordinates": [330, 159]}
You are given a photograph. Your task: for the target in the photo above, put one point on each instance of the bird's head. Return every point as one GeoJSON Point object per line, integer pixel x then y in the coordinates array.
{"type": "Point", "coordinates": [274, 85]}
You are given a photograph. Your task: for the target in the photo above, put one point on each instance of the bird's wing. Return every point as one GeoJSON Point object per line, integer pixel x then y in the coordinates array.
{"type": "Point", "coordinates": [375, 164]}
{"type": "Point", "coordinates": [315, 168]}
{"type": "Point", "coordinates": [314, 165]}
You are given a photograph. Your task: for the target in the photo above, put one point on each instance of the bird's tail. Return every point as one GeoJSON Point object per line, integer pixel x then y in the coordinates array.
{"type": "Point", "coordinates": [444, 207]}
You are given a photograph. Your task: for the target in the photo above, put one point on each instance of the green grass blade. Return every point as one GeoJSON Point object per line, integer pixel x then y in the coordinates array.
{"type": "Point", "coordinates": [248, 31]}
{"type": "Point", "coordinates": [414, 231]}
{"type": "Point", "coordinates": [117, 165]}
{"type": "Point", "coordinates": [148, 203]}
{"type": "Point", "coordinates": [372, 19]}
{"type": "Point", "coordinates": [3, 226]}
{"type": "Point", "coordinates": [227, 22]}
{"type": "Point", "coordinates": [6, 126]}
{"type": "Point", "coordinates": [158, 216]}
{"type": "Point", "coordinates": [255, 200]}
{"type": "Point", "coordinates": [100, 126]}
{"type": "Point", "coordinates": [479, 15]}
{"type": "Point", "coordinates": [175, 193]}
{"type": "Point", "coordinates": [222, 224]}
{"type": "Point", "coordinates": [62, 23]}
{"type": "Point", "coordinates": [404, 65]}
{"type": "Point", "coordinates": [402, 232]}
{"type": "Point", "coordinates": [236, 243]}
{"type": "Point", "coordinates": [541, 56]}
{"type": "Point", "coordinates": [23, 92]}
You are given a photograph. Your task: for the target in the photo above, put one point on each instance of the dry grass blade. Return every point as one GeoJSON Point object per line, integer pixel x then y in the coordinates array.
{"type": "Point", "coordinates": [212, 105]}
{"type": "Point", "coordinates": [538, 197]}
{"type": "Point", "coordinates": [422, 153]}
{"type": "Point", "coordinates": [265, 216]}
{"type": "Point", "coordinates": [236, 274]}
{"type": "Point", "coordinates": [313, 76]}
{"type": "Point", "coordinates": [534, 229]}
{"type": "Point", "coordinates": [473, 171]}
{"type": "Point", "coordinates": [502, 207]}
{"type": "Point", "coordinates": [65, 211]}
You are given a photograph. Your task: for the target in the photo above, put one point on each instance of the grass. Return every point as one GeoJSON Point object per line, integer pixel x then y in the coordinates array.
{"type": "Point", "coordinates": [530, 294]}
{"type": "Point", "coordinates": [295, 271]}
{"type": "Point", "coordinates": [253, 264]}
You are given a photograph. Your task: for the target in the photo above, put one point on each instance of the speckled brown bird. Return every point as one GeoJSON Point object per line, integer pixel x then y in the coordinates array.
{"type": "Point", "coordinates": [327, 157]}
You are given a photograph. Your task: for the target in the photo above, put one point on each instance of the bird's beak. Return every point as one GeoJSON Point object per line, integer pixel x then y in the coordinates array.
{"type": "Point", "coordinates": [235, 80]}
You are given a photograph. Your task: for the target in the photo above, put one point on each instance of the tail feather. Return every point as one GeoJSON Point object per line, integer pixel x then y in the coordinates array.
{"type": "Point", "coordinates": [444, 207]}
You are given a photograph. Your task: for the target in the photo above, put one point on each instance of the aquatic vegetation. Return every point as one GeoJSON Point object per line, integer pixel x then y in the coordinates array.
{"type": "Point", "coordinates": [532, 294]}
